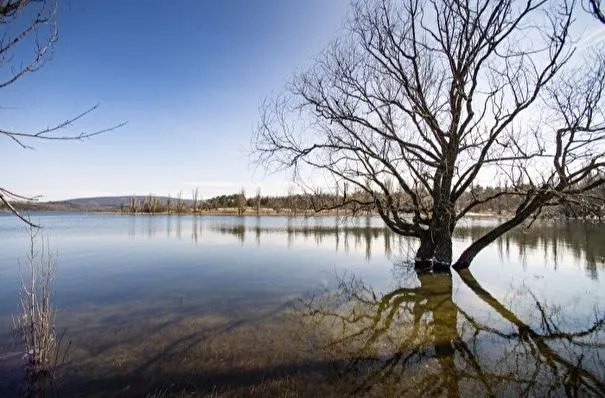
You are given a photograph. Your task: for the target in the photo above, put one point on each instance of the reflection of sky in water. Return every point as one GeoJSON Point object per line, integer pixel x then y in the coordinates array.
{"type": "Point", "coordinates": [105, 258]}
{"type": "Point", "coordinates": [112, 258]}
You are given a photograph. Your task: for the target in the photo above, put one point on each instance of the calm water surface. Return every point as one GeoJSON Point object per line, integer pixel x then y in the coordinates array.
{"type": "Point", "coordinates": [277, 306]}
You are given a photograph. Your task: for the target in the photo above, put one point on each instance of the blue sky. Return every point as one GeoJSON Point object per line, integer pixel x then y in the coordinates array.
{"type": "Point", "coordinates": [188, 77]}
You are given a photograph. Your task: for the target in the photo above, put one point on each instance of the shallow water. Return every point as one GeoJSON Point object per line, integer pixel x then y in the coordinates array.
{"type": "Point", "coordinates": [265, 306]}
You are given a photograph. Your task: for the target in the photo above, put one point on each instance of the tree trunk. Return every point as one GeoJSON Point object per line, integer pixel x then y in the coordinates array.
{"type": "Point", "coordinates": [465, 259]}
{"type": "Point", "coordinates": [435, 251]}
{"type": "Point", "coordinates": [425, 253]}
{"type": "Point", "coordinates": [443, 249]}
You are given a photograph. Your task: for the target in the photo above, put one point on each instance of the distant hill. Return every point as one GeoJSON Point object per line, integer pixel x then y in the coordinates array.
{"type": "Point", "coordinates": [100, 203]}
{"type": "Point", "coordinates": [111, 201]}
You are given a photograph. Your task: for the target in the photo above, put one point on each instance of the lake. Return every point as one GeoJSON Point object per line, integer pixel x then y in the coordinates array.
{"type": "Point", "coordinates": [158, 306]}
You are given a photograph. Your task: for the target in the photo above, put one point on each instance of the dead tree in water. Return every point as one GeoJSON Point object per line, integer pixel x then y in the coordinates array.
{"type": "Point", "coordinates": [423, 98]}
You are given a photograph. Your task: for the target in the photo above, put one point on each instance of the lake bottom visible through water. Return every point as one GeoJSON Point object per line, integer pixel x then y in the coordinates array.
{"type": "Point", "coordinates": [159, 306]}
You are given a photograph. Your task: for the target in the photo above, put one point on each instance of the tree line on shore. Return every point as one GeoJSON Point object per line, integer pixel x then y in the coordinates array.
{"type": "Point", "coordinates": [337, 202]}
{"type": "Point", "coordinates": [349, 203]}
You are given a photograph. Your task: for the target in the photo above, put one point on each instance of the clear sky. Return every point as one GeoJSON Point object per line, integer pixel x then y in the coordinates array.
{"type": "Point", "coordinates": [188, 76]}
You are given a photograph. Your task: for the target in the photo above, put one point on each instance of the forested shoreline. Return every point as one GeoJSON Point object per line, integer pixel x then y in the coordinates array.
{"type": "Point", "coordinates": [308, 204]}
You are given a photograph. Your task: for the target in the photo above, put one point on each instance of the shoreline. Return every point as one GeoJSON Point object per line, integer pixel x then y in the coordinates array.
{"type": "Point", "coordinates": [232, 212]}
{"type": "Point", "coordinates": [271, 213]}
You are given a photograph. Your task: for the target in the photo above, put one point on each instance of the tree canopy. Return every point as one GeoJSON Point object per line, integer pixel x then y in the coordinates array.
{"type": "Point", "coordinates": [420, 100]}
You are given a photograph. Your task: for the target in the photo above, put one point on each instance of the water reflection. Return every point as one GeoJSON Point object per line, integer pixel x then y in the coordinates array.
{"type": "Point", "coordinates": [36, 385]}
{"type": "Point", "coordinates": [200, 302]}
{"type": "Point", "coordinates": [343, 237]}
{"type": "Point", "coordinates": [551, 242]}
{"type": "Point", "coordinates": [583, 240]}
{"type": "Point", "coordinates": [417, 340]}
{"type": "Point", "coordinates": [20, 379]}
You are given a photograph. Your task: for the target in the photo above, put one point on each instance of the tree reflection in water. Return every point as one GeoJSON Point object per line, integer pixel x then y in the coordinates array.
{"type": "Point", "coordinates": [416, 340]}
{"type": "Point", "coordinates": [562, 242]}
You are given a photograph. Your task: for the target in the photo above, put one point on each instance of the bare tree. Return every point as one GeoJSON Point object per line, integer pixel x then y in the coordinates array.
{"type": "Point", "coordinates": [132, 204]}
{"type": "Point", "coordinates": [195, 195]}
{"type": "Point", "coordinates": [180, 203]}
{"type": "Point", "coordinates": [34, 325]}
{"type": "Point", "coordinates": [596, 8]}
{"type": "Point", "coordinates": [31, 23]}
{"type": "Point", "coordinates": [422, 98]}
{"type": "Point", "coordinates": [241, 202]}
{"type": "Point", "coordinates": [257, 202]}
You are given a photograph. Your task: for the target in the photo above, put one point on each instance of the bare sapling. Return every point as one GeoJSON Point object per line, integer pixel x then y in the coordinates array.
{"type": "Point", "coordinates": [35, 326]}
